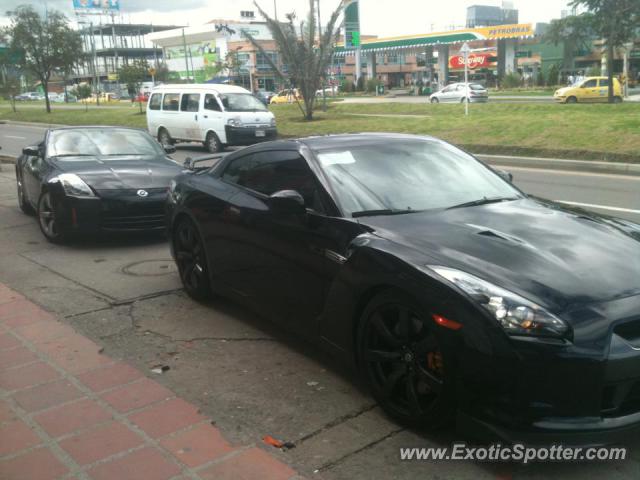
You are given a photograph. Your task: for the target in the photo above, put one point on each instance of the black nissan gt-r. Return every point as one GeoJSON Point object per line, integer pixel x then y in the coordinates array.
{"type": "Point", "coordinates": [451, 290]}
{"type": "Point", "coordinates": [90, 179]}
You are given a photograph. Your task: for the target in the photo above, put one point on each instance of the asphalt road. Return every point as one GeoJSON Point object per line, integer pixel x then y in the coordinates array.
{"type": "Point", "coordinates": [617, 195]}
{"type": "Point", "coordinates": [250, 377]}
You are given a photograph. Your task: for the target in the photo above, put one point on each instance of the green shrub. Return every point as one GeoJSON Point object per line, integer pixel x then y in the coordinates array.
{"type": "Point", "coordinates": [511, 80]}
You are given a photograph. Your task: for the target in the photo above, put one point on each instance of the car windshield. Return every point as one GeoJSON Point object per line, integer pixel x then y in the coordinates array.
{"type": "Point", "coordinates": [391, 176]}
{"type": "Point", "coordinates": [241, 102]}
{"type": "Point", "coordinates": [101, 141]}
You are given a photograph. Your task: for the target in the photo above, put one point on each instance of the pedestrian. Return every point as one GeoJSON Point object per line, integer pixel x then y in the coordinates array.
{"type": "Point", "coordinates": [571, 80]}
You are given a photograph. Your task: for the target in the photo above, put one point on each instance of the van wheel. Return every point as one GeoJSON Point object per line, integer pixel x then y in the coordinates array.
{"type": "Point", "coordinates": [212, 143]}
{"type": "Point", "coordinates": [164, 138]}
{"type": "Point", "coordinates": [572, 100]}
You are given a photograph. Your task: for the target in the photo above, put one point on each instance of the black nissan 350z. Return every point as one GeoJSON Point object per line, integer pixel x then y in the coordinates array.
{"type": "Point", "coordinates": [91, 179]}
{"type": "Point", "coordinates": [453, 292]}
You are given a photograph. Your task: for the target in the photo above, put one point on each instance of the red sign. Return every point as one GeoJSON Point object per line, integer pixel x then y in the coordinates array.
{"type": "Point", "coordinates": [476, 60]}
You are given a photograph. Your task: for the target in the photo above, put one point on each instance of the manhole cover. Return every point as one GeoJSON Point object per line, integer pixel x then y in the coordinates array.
{"type": "Point", "coordinates": [150, 268]}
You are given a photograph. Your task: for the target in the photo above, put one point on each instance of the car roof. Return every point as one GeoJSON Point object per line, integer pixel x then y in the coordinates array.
{"type": "Point", "coordinates": [217, 87]}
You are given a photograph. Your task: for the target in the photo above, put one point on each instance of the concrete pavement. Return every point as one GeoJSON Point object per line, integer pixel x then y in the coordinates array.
{"type": "Point", "coordinates": [67, 409]}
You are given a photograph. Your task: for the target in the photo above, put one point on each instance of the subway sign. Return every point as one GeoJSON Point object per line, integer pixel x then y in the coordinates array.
{"type": "Point", "coordinates": [475, 60]}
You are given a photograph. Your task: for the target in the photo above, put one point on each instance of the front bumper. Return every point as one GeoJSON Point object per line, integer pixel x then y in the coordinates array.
{"type": "Point", "coordinates": [249, 135]}
{"type": "Point", "coordinates": [114, 210]}
{"type": "Point", "coordinates": [585, 392]}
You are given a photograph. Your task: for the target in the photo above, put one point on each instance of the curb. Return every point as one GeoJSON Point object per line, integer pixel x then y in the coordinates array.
{"type": "Point", "coordinates": [32, 124]}
{"type": "Point", "coordinates": [559, 164]}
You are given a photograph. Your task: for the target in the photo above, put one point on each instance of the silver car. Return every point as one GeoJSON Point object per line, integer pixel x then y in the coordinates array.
{"type": "Point", "coordinates": [460, 92]}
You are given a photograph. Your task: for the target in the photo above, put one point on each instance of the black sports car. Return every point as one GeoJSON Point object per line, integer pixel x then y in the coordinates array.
{"type": "Point", "coordinates": [451, 290]}
{"type": "Point", "coordinates": [87, 179]}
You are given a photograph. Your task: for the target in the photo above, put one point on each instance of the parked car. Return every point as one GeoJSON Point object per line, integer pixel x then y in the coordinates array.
{"type": "Point", "coordinates": [141, 98]}
{"type": "Point", "coordinates": [30, 96]}
{"type": "Point", "coordinates": [286, 96]}
{"type": "Point", "coordinates": [329, 91]}
{"type": "Point", "coordinates": [60, 98]}
{"type": "Point", "coordinates": [91, 179]}
{"type": "Point", "coordinates": [589, 90]}
{"type": "Point", "coordinates": [214, 114]}
{"type": "Point", "coordinates": [455, 294]}
{"type": "Point", "coordinates": [460, 93]}
{"type": "Point", "coordinates": [265, 96]}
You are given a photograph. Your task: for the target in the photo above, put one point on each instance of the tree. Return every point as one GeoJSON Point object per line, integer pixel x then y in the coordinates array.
{"type": "Point", "coordinates": [306, 56]}
{"type": "Point", "coordinates": [44, 45]}
{"type": "Point", "coordinates": [132, 76]}
{"type": "Point", "coordinates": [615, 21]}
{"type": "Point", "coordinates": [553, 75]}
{"type": "Point", "coordinates": [9, 88]}
{"type": "Point", "coordinates": [572, 32]}
{"type": "Point", "coordinates": [82, 92]}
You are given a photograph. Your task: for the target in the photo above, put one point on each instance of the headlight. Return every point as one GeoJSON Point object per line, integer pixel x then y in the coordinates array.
{"type": "Point", "coordinates": [517, 315]}
{"type": "Point", "coordinates": [273, 121]}
{"type": "Point", "coordinates": [234, 122]}
{"type": "Point", "coordinates": [74, 186]}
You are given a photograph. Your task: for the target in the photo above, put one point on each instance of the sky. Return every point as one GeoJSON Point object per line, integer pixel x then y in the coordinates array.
{"type": "Point", "coordinates": [377, 17]}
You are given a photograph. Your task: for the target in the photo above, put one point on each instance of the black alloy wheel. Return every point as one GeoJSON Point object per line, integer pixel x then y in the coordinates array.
{"type": "Point", "coordinates": [191, 261]}
{"type": "Point", "coordinates": [48, 218]}
{"type": "Point", "coordinates": [23, 203]}
{"type": "Point", "coordinates": [402, 360]}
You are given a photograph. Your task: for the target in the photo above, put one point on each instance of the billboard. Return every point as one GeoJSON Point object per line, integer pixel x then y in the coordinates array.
{"type": "Point", "coordinates": [97, 6]}
{"type": "Point", "coordinates": [201, 57]}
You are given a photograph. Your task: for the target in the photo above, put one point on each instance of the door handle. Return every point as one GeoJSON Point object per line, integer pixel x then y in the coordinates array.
{"type": "Point", "coordinates": [196, 116]}
{"type": "Point", "coordinates": [206, 116]}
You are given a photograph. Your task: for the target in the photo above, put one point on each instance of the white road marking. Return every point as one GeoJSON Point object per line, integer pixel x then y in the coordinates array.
{"type": "Point", "coordinates": [602, 207]}
{"type": "Point", "coordinates": [13, 136]}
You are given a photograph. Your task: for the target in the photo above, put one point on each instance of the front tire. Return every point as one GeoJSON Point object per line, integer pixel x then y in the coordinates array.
{"type": "Point", "coordinates": [212, 143]}
{"type": "Point", "coordinates": [48, 219]}
{"type": "Point", "coordinates": [572, 100]}
{"type": "Point", "coordinates": [164, 137]}
{"type": "Point", "coordinates": [191, 260]}
{"type": "Point", "coordinates": [435, 100]}
{"type": "Point", "coordinates": [403, 361]}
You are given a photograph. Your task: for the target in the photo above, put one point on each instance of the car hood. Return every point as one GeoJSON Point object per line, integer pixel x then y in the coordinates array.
{"type": "Point", "coordinates": [121, 172]}
{"type": "Point", "coordinates": [553, 255]}
{"type": "Point", "coordinates": [563, 90]}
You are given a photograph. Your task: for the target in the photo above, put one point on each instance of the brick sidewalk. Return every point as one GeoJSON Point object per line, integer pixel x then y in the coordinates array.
{"type": "Point", "coordinates": [69, 412]}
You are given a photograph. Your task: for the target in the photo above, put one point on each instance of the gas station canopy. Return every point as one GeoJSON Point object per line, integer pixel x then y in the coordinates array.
{"type": "Point", "coordinates": [418, 42]}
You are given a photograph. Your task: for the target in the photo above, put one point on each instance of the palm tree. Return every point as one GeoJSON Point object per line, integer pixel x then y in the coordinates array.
{"type": "Point", "coordinates": [306, 57]}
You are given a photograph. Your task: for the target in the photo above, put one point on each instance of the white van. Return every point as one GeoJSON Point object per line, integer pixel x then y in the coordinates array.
{"type": "Point", "coordinates": [216, 115]}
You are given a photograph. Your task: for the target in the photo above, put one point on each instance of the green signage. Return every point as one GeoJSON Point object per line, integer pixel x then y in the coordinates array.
{"type": "Point", "coordinates": [523, 54]}
{"type": "Point", "coordinates": [351, 24]}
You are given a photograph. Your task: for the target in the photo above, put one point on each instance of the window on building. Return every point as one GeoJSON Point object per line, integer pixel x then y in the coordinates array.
{"type": "Point", "coordinates": [262, 60]}
{"type": "Point", "coordinates": [190, 102]}
{"type": "Point", "coordinates": [171, 102]}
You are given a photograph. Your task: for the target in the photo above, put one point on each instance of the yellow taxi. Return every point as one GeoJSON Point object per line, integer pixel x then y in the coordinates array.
{"type": "Point", "coordinates": [589, 90]}
{"type": "Point", "coordinates": [286, 96]}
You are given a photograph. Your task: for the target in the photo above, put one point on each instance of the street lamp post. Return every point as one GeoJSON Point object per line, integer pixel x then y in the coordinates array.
{"type": "Point", "coordinates": [465, 51]}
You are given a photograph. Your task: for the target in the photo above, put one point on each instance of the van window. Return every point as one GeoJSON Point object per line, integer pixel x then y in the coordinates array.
{"type": "Point", "coordinates": [190, 102]}
{"type": "Point", "coordinates": [590, 83]}
{"type": "Point", "coordinates": [604, 82]}
{"type": "Point", "coordinates": [210, 103]}
{"type": "Point", "coordinates": [171, 102]}
{"type": "Point", "coordinates": [155, 101]}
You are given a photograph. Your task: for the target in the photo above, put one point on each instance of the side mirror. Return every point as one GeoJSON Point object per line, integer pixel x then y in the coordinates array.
{"type": "Point", "coordinates": [287, 202]}
{"type": "Point", "coordinates": [32, 151]}
{"type": "Point", "coordinates": [508, 176]}
{"type": "Point", "coordinates": [169, 148]}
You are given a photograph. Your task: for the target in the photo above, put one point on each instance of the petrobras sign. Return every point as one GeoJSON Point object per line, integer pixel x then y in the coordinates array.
{"type": "Point", "coordinates": [97, 6]}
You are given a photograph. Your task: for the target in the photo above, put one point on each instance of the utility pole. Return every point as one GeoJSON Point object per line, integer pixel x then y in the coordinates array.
{"type": "Point", "coordinates": [322, 84]}
{"type": "Point", "coordinates": [275, 9]}
{"type": "Point", "coordinates": [465, 51]}
{"type": "Point", "coordinates": [95, 67]}
{"type": "Point", "coordinates": [186, 57]}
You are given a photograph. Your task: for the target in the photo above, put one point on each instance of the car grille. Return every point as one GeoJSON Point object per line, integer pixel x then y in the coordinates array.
{"type": "Point", "coordinates": [126, 210]}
